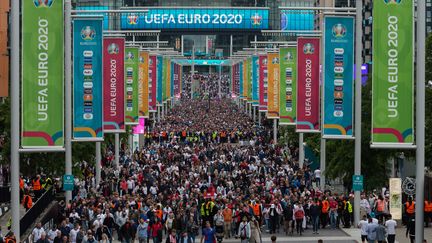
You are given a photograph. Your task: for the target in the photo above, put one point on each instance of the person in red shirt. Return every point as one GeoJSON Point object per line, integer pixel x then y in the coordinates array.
{"type": "Point", "coordinates": [333, 212]}
{"type": "Point", "coordinates": [156, 230]}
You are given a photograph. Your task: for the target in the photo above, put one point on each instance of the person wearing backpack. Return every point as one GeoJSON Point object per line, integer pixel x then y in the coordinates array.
{"type": "Point", "coordinates": [244, 231]}
{"type": "Point", "coordinates": [288, 219]}
{"type": "Point", "coordinates": [299, 214]}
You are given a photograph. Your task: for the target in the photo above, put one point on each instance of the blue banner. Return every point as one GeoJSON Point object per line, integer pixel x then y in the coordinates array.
{"type": "Point", "coordinates": [241, 79]}
{"type": "Point", "coordinates": [87, 79]}
{"type": "Point", "coordinates": [197, 18]}
{"type": "Point", "coordinates": [338, 92]}
{"type": "Point", "coordinates": [255, 85]}
{"type": "Point", "coordinates": [159, 65]}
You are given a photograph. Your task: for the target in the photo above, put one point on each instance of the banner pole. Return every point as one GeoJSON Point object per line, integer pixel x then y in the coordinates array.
{"type": "Point", "coordinates": [130, 141]}
{"type": "Point", "coordinates": [358, 104]}
{"type": "Point", "coordinates": [322, 164]}
{"type": "Point", "coordinates": [68, 90]}
{"type": "Point", "coordinates": [275, 131]}
{"type": "Point", "coordinates": [117, 150]}
{"type": "Point", "coordinates": [259, 118]}
{"type": "Point", "coordinates": [420, 121]}
{"type": "Point", "coordinates": [98, 163]}
{"type": "Point", "coordinates": [15, 119]}
{"type": "Point", "coordinates": [301, 150]}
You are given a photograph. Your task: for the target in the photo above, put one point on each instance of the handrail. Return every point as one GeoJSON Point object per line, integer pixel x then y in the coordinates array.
{"type": "Point", "coordinates": [33, 213]}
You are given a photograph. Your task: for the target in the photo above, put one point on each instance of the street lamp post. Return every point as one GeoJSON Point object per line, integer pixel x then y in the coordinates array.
{"type": "Point", "coordinates": [14, 108]}
{"type": "Point", "coordinates": [192, 71]}
{"type": "Point", "coordinates": [358, 102]}
{"type": "Point", "coordinates": [420, 121]}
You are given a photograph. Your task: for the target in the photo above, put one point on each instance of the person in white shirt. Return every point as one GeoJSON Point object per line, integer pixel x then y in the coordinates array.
{"type": "Point", "coordinates": [73, 233]}
{"type": "Point", "coordinates": [52, 233]}
{"type": "Point", "coordinates": [317, 174]}
{"type": "Point", "coordinates": [363, 228]}
{"type": "Point", "coordinates": [391, 229]}
{"type": "Point", "coordinates": [37, 232]}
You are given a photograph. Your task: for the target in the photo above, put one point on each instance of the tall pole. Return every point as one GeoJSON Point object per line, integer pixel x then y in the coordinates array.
{"type": "Point", "coordinates": [231, 45]}
{"type": "Point", "coordinates": [219, 82]}
{"type": "Point", "coordinates": [117, 150]}
{"type": "Point", "coordinates": [301, 150]}
{"type": "Point", "coordinates": [275, 131]}
{"type": "Point", "coordinates": [163, 110]}
{"type": "Point", "coordinates": [68, 92]}
{"type": "Point", "coordinates": [98, 165]}
{"type": "Point", "coordinates": [259, 118]}
{"type": "Point", "coordinates": [322, 164]}
{"type": "Point", "coordinates": [358, 104]}
{"type": "Point", "coordinates": [254, 114]}
{"type": "Point", "coordinates": [420, 121]}
{"type": "Point", "coordinates": [182, 46]}
{"type": "Point", "coordinates": [15, 107]}
{"type": "Point", "coordinates": [192, 71]}
{"type": "Point", "coordinates": [130, 141]}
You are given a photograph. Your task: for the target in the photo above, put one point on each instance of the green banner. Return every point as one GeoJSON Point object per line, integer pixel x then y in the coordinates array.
{"type": "Point", "coordinates": [42, 74]}
{"type": "Point", "coordinates": [392, 72]}
{"type": "Point", "coordinates": [131, 84]}
{"type": "Point", "coordinates": [288, 85]}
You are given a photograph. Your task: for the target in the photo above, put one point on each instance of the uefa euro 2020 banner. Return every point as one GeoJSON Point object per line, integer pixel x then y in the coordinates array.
{"type": "Point", "coordinates": [152, 83]}
{"type": "Point", "coordinates": [392, 74]}
{"type": "Point", "coordinates": [273, 85]}
{"type": "Point", "coordinates": [87, 79]}
{"type": "Point", "coordinates": [308, 84]}
{"type": "Point", "coordinates": [131, 83]}
{"type": "Point", "coordinates": [113, 85]}
{"type": "Point", "coordinates": [42, 75]}
{"type": "Point", "coordinates": [338, 95]}
{"type": "Point", "coordinates": [159, 65]}
{"type": "Point", "coordinates": [245, 79]}
{"type": "Point", "coordinates": [263, 82]}
{"type": "Point", "coordinates": [240, 68]}
{"type": "Point", "coordinates": [288, 85]}
{"type": "Point", "coordinates": [255, 82]}
{"type": "Point", "coordinates": [143, 88]}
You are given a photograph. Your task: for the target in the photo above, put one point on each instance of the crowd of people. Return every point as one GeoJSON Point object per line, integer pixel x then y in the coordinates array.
{"type": "Point", "coordinates": [200, 186]}
{"type": "Point", "coordinates": [205, 85]}
{"type": "Point", "coordinates": [197, 180]}
{"type": "Point", "coordinates": [215, 121]}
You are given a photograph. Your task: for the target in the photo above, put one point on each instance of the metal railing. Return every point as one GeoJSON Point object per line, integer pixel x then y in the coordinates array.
{"type": "Point", "coordinates": [37, 209]}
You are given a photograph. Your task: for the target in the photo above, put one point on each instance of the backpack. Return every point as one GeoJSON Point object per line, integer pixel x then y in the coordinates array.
{"type": "Point", "coordinates": [299, 214]}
